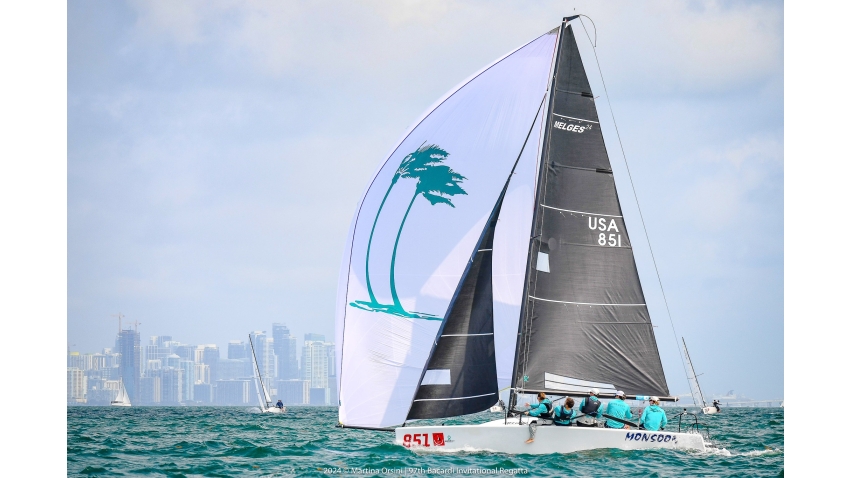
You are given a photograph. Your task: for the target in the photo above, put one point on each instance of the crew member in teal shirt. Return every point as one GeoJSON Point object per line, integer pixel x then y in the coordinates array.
{"type": "Point", "coordinates": [653, 416]}
{"type": "Point", "coordinates": [564, 414]}
{"type": "Point", "coordinates": [618, 408]}
{"type": "Point", "coordinates": [543, 410]}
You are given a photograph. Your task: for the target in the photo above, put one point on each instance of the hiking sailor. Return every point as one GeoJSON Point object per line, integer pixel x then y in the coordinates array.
{"type": "Point", "coordinates": [618, 408]}
{"type": "Point", "coordinates": [279, 404]}
{"type": "Point", "coordinates": [543, 411]}
{"type": "Point", "coordinates": [653, 416]}
{"type": "Point", "coordinates": [590, 407]}
{"type": "Point", "coordinates": [716, 405]}
{"type": "Point", "coordinates": [563, 415]}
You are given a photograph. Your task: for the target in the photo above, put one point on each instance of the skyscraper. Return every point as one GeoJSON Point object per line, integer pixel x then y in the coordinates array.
{"type": "Point", "coordinates": [314, 368]}
{"type": "Point", "coordinates": [266, 358]}
{"type": "Point", "coordinates": [130, 350]}
{"type": "Point", "coordinates": [209, 355]}
{"type": "Point", "coordinates": [285, 349]}
{"type": "Point", "coordinates": [237, 349]}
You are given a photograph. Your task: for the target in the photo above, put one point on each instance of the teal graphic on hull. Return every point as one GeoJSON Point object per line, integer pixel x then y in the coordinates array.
{"type": "Point", "coordinates": [435, 181]}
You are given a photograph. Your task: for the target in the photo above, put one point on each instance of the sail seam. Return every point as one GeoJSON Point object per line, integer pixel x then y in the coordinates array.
{"type": "Point", "coordinates": [579, 212]}
{"type": "Point", "coordinates": [452, 398]}
{"type": "Point", "coordinates": [583, 303]}
{"type": "Point", "coordinates": [594, 245]}
{"type": "Point", "coordinates": [577, 119]}
{"type": "Point", "coordinates": [465, 335]}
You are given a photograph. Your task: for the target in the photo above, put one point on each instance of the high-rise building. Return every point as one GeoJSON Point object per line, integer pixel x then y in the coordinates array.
{"type": "Point", "coordinates": [202, 373]}
{"type": "Point", "coordinates": [150, 388]}
{"type": "Point", "coordinates": [209, 355]}
{"type": "Point", "coordinates": [186, 352]}
{"type": "Point", "coordinates": [314, 368]}
{"type": "Point", "coordinates": [314, 362]}
{"type": "Point", "coordinates": [285, 349]}
{"type": "Point", "coordinates": [294, 392]}
{"type": "Point", "coordinates": [172, 385]}
{"type": "Point", "coordinates": [76, 385]}
{"type": "Point", "coordinates": [130, 350]}
{"type": "Point", "coordinates": [237, 349]}
{"type": "Point", "coordinates": [188, 367]}
{"type": "Point", "coordinates": [266, 359]}
{"type": "Point", "coordinates": [232, 392]}
{"type": "Point", "coordinates": [314, 337]}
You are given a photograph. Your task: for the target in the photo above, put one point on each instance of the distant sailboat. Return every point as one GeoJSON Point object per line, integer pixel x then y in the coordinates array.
{"type": "Point", "coordinates": [122, 400]}
{"type": "Point", "coordinates": [266, 405]}
{"type": "Point", "coordinates": [696, 391]}
{"type": "Point", "coordinates": [514, 271]}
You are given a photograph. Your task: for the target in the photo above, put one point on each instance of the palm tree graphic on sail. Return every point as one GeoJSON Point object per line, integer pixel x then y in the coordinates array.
{"type": "Point", "coordinates": [435, 181]}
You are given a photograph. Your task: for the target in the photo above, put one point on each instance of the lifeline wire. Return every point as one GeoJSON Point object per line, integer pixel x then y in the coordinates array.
{"type": "Point", "coordinates": [634, 192]}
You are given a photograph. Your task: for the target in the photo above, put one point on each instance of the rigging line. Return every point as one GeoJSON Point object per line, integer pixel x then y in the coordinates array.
{"type": "Point", "coordinates": [634, 192]}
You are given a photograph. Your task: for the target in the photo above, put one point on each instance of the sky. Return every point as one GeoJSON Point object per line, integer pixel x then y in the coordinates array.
{"type": "Point", "coordinates": [217, 150]}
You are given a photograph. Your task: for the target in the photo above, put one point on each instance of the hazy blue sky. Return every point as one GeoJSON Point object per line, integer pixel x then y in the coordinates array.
{"type": "Point", "coordinates": [216, 152]}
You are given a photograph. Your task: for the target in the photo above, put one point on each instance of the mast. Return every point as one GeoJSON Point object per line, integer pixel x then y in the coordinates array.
{"type": "Point", "coordinates": [696, 391]}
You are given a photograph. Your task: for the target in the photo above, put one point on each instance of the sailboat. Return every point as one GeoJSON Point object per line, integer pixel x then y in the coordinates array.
{"type": "Point", "coordinates": [696, 391]}
{"type": "Point", "coordinates": [122, 399]}
{"type": "Point", "coordinates": [265, 402]}
{"type": "Point", "coordinates": [513, 269]}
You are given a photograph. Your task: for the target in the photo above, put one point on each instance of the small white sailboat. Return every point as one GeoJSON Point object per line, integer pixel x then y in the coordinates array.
{"type": "Point", "coordinates": [265, 402]}
{"type": "Point", "coordinates": [696, 391]}
{"type": "Point", "coordinates": [122, 399]}
{"type": "Point", "coordinates": [515, 270]}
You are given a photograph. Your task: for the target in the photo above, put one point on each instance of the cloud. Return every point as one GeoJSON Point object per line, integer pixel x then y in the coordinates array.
{"type": "Point", "coordinates": [674, 46]}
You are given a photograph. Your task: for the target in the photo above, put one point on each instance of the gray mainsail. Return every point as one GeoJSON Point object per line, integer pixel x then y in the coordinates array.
{"type": "Point", "coordinates": [584, 322]}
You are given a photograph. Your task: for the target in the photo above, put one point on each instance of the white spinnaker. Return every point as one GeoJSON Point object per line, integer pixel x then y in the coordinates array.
{"type": "Point", "coordinates": [510, 252]}
{"type": "Point", "coordinates": [482, 124]}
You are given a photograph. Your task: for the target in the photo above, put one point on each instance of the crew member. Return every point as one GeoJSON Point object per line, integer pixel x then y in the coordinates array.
{"type": "Point", "coordinates": [716, 405]}
{"type": "Point", "coordinates": [543, 411]}
{"type": "Point", "coordinates": [279, 404]}
{"type": "Point", "coordinates": [618, 408]}
{"type": "Point", "coordinates": [590, 407]}
{"type": "Point", "coordinates": [653, 416]}
{"type": "Point", "coordinates": [563, 415]}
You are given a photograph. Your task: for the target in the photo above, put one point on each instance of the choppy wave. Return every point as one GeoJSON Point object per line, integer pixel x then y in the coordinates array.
{"type": "Point", "coordinates": [233, 441]}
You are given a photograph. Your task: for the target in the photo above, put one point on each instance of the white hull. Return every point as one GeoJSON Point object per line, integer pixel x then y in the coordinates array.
{"type": "Point", "coordinates": [120, 404]}
{"type": "Point", "coordinates": [498, 437]}
{"type": "Point", "coordinates": [273, 410]}
{"type": "Point", "coordinates": [709, 410]}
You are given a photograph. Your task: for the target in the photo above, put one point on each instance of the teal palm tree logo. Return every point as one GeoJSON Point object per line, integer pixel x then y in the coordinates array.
{"type": "Point", "coordinates": [435, 181]}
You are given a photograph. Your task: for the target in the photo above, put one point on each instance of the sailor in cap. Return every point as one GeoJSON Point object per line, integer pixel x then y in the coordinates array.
{"type": "Point", "coordinates": [618, 408]}
{"type": "Point", "coordinates": [653, 416]}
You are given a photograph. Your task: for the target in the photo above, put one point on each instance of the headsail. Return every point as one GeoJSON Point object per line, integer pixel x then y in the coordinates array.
{"type": "Point", "coordinates": [405, 256]}
{"type": "Point", "coordinates": [585, 321]}
{"type": "Point", "coordinates": [460, 377]}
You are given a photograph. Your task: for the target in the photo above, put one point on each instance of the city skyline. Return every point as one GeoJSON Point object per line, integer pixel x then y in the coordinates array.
{"type": "Point", "coordinates": [164, 371]}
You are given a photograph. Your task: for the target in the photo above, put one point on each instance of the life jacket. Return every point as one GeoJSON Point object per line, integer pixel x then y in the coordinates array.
{"type": "Point", "coordinates": [563, 414]}
{"type": "Point", "coordinates": [548, 404]}
{"type": "Point", "coordinates": [590, 406]}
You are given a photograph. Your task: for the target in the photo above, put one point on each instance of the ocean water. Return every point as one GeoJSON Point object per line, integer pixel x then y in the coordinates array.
{"type": "Point", "coordinates": [233, 441]}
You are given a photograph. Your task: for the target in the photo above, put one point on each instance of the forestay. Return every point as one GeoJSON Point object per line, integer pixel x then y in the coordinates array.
{"type": "Point", "coordinates": [405, 254]}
